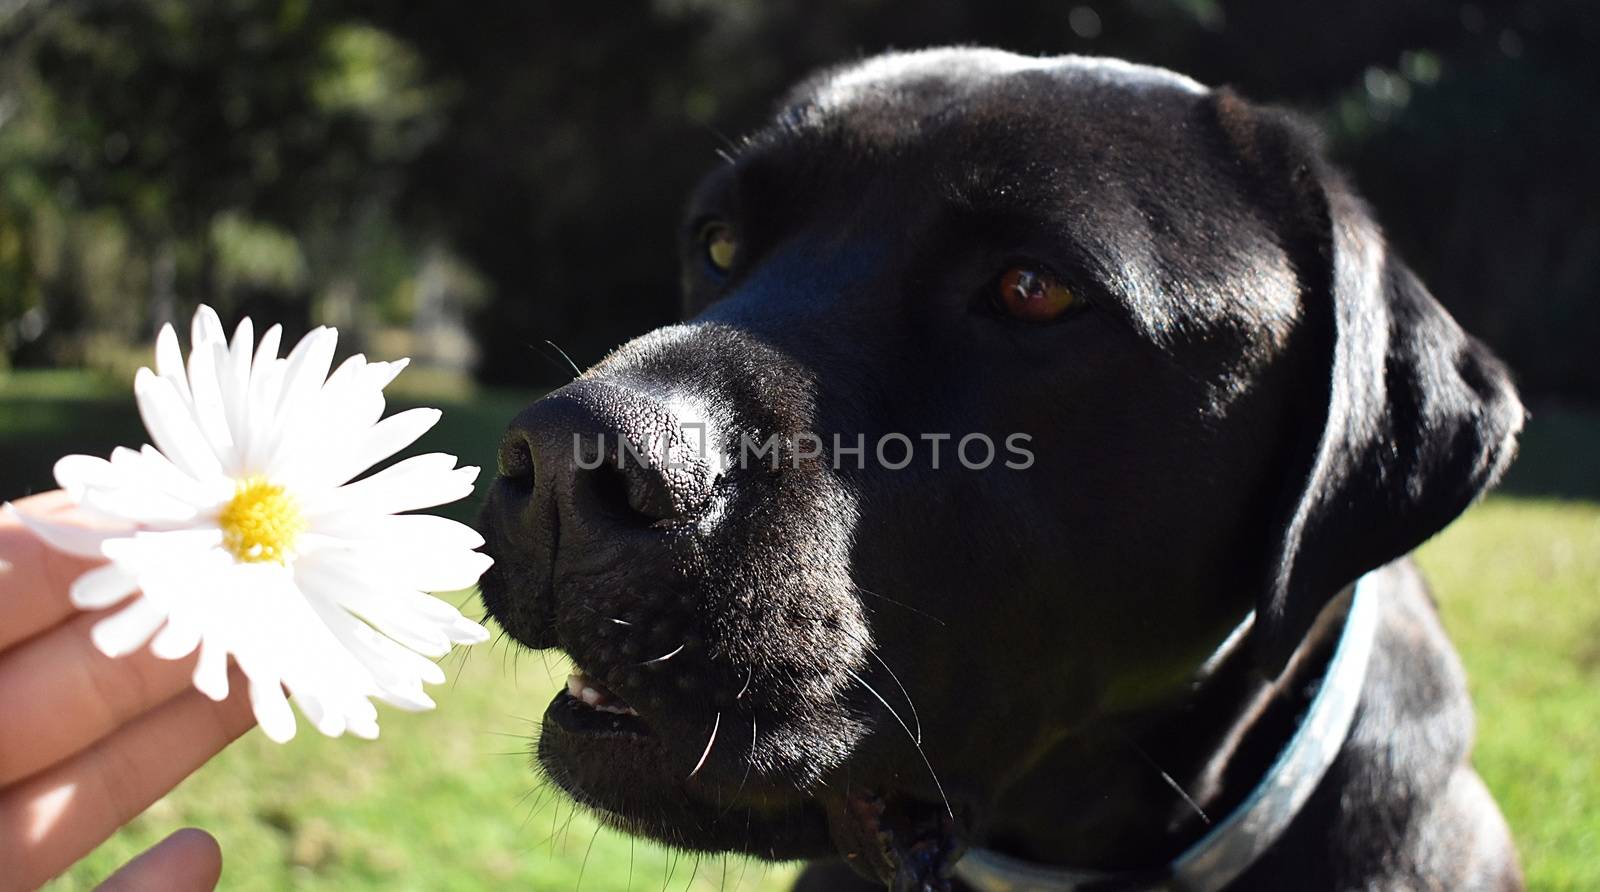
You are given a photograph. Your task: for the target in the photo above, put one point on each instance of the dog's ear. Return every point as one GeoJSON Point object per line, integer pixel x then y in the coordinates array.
{"type": "Point", "coordinates": [1417, 419]}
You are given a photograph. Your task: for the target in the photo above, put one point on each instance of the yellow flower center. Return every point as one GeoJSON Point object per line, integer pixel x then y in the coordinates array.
{"type": "Point", "coordinates": [261, 523]}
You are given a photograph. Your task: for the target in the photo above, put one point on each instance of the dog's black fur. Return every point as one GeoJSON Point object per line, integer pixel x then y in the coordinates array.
{"type": "Point", "coordinates": [1256, 403]}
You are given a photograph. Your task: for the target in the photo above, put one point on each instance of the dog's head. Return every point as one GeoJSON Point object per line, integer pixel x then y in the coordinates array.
{"type": "Point", "coordinates": [1010, 386]}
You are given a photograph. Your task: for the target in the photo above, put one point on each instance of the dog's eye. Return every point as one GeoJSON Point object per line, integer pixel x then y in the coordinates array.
{"type": "Point", "coordinates": [1032, 295]}
{"type": "Point", "coordinates": [720, 246]}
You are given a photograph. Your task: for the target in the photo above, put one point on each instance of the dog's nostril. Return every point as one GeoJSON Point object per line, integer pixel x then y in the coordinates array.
{"type": "Point", "coordinates": [610, 488]}
{"type": "Point", "coordinates": [628, 489]}
{"type": "Point", "coordinates": [515, 458]}
{"type": "Point", "coordinates": [605, 453]}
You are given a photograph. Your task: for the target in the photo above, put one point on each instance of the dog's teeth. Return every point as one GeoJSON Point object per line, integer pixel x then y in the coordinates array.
{"type": "Point", "coordinates": [595, 696]}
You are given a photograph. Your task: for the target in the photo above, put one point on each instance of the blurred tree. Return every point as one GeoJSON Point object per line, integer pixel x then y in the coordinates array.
{"type": "Point", "coordinates": [216, 134]}
{"type": "Point", "coordinates": [581, 128]}
{"type": "Point", "coordinates": [312, 160]}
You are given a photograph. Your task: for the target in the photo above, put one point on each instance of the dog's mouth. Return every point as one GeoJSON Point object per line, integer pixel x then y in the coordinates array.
{"type": "Point", "coordinates": [589, 706]}
{"type": "Point", "coordinates": [632, 770]}
{"type": "Point", "coordinates": [595, 695]}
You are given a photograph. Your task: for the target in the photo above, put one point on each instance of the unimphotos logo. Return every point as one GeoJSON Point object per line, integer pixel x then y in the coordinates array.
{"type": "Point", "coordinates": [892, 451]}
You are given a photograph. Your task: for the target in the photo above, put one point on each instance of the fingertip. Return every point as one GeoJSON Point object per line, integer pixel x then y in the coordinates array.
{"type": "Point", "coordinates": [48, 502]}
{"type": "Point", "coordinates": [199, 849]}
{"type": "Point", "coordinates": [188, 860]}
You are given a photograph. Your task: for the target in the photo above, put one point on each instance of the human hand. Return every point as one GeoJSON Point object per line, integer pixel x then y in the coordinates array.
{"type": "Point", "coordinates": [88, 742]}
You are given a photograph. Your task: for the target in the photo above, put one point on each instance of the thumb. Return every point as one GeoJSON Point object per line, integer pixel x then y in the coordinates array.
{"type": "Point", "coordinates": [187, 861]}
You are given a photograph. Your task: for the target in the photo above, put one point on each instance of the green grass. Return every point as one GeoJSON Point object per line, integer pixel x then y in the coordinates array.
{"type": "Point", "coordinates": [1518, 581]}
{"type": "Point", "coordinates": [446, 800]}
{"type": "Point", "coordinates": [442, 800]}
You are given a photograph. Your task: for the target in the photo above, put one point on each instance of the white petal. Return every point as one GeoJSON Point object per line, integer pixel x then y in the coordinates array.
{"type": "Point", "coordinates": [298, 405]}
{"type": "Point", "coordinates": [209, 413]}
{"type": "Point", "coordinates": [421, 481]}
{"type": "Point", "coordinates": [394, 620]}
{"type": "Point", "coordinates": [382, 374]}
{"type": "Point", "coordinates": [366, 729]}
{"type": "Point", "coordinates": [141, 504]}
{"type": "Point", "coordinates": [340, 412]}
{"type": "Point", "coordinates": [206, 328]}
{"type": "Point", "coordinates": [400, 673]}
{"type": "Point", "coordinates": [167, 419]}
{"type": "Point", "coordinates": [127, 631]}
{"type": "Point", "coordinates": [397, 614]}
{"type": "Point", "coordinates": [211, 672]}
{"type": "Point", "coordinates": [308, 367]}
{"type": "Point", "coordinates": [167, 551]}
{"type": "Point", "coordinates": [169, 361]}
{"type": "Point", "coordinates": [389, 661]}
{"type": "Point", "coordinates": [267, 350]}
{"type": "Point", "coordinates": [272, 710]}
{"type": "Point", "coordinates": [266, 385]}
{"type": "Point", "coordinates": [242, 347]}
{"type": "Point", "coordinates": [263, 392]}
{"type": "Point", "coordinates": [157, 471]}
{"type": "Point", "coordinates": [435, 569]}
{"type": "Point", "coordinates": [329, 721]}
{"type": "Point", "coordinates": [235, 377]}
{"type": "Point", "coordinates": [75, 473]}
{"type": "Point", "coordinates": [347, 374]}
{"type": "Point", "coordinates": [465, 631]}
{"type": "Point", "coordinates": [71, 538]}
{"type": "Point", "coordinates": [102, 587]}
{"type": "Point", "coordinates": [120, 488]}
{"type": "Point", "coordinates": [388, 437]}
{"type": "Point", "coordinates": [403, 530]}
{"type": "Point", "coordinates": [177, 639]}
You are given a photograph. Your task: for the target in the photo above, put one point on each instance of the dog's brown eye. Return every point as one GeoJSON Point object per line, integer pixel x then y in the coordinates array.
{"type": "Point", "coordinates": [720, 246]}
{"type": "Point", "coordinates": [1032, 295]}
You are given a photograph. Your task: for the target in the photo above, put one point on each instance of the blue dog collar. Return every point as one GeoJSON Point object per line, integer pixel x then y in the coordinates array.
{"type": "Point", "coordinates": [1235, 843]}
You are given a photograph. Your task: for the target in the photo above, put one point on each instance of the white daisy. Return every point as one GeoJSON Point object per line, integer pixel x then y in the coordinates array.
{"type": "Point", "coordinates": [240, 533]}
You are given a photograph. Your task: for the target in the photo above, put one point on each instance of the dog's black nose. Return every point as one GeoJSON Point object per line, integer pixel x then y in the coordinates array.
{"type": "Point", "coordinates": [606, 454]}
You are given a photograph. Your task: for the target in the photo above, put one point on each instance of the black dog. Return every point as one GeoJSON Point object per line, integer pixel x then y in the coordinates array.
{"type": "Point", "coordinates": [811, 626]}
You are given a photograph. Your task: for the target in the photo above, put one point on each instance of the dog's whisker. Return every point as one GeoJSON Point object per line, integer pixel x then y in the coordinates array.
{"type": "Point", "coordinates": [1169, 779]}
{"type": "Point", "coordinates": [916, 719]}
{"type": "Point", "coordinates": [672, 868]}
{"type": "Point", "coordinates": [749, 673]}
{"type": "Point", "coordinates": [749, 764]}
{"type": "Point", "coordinates": [609, 619]}
{"type": "Point", "coordinates": [730, 149]}
{"type": "Point", "coordinates": [915, 742]}
{"type": "Point", "coordinates": [577, 887]}
{"type": "Point", "coordinates": [576, 372]}
{"type": "Point", "coordinates": [709, 744]}
{"type": "Point", "coordinates": [744, 865]}
{"type": "Point", "coordinates": [901, 604]}
{"type": "Point", "coordinates": [461, 666]}
{"type": "Point", "coordinates": [566, 829]}
{"type": "Point", "coordinates": [693, 872]}
{"type": "Point", "coordinates": [664, 657]}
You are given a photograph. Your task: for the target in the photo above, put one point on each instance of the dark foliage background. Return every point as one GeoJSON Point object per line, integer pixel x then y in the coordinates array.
{"type": "Point", "coordinates": [518, 166]}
